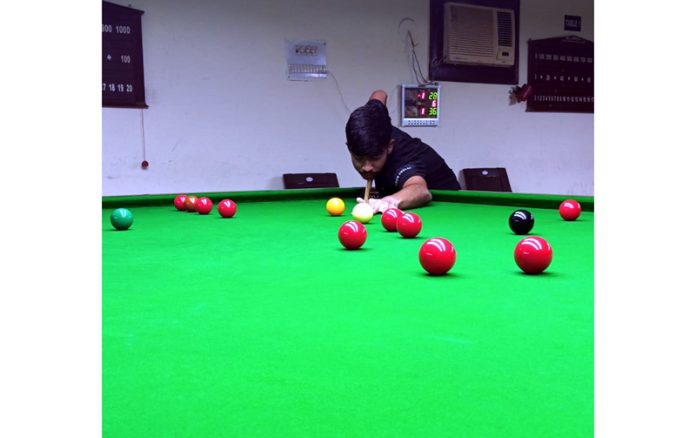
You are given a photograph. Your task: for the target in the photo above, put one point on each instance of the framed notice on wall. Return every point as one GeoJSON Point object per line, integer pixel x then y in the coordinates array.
{"type": "Point", "coordinates": [561, 74]}
{"type": "Point", "coordinates": [123, 81]}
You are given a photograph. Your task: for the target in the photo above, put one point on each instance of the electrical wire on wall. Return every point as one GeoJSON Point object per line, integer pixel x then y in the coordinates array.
{"type": "Point", "coordinates": [414, 64]}
{"type": "Point", "coordinates": [343, 100]}
{"type": "Point", "coordinates": [413, 57]}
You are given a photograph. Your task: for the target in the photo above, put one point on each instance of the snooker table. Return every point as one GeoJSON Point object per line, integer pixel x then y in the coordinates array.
{"type": "Point", "coordinates": [263, 325]}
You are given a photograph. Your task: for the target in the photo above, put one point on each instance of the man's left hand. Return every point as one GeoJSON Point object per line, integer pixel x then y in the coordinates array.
{"type": "Point", "coordinates": [381, 205]}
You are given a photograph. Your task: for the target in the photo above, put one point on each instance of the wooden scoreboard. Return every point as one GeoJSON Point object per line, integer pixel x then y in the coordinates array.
{"type": "Point", "coordinates": [561, 74]}
{"type": "Point", "coordinates": [123, 81]}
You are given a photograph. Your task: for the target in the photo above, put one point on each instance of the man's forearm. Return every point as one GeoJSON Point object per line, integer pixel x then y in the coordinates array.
{"type": "Point", "coordinates": [413, 196]}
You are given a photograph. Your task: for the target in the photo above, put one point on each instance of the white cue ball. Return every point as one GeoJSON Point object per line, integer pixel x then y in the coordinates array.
{"type": "Point", "coordinates": [362, 212]}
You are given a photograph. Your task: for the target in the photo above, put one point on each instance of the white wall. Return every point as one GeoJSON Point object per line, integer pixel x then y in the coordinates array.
{"type": "Point", "coordinates": [223, 117]}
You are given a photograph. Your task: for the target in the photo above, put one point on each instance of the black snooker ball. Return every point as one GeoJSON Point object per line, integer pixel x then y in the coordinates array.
{"type": "Point", "coordinates": [521, 221]}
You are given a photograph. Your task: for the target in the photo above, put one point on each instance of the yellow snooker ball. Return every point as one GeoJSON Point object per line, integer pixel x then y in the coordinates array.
{"type": "Point", "coordinates": [362, 212]}
{"type": "Point", "coordinates": [335, 206]}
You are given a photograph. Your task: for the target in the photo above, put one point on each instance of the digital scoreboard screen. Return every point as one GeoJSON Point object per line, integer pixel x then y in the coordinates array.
{"type": "Point", "coordinates": [420, 105]}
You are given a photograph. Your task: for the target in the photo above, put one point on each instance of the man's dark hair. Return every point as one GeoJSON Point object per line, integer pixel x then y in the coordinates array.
{"type": "Point", "coordinates": [369, 130]}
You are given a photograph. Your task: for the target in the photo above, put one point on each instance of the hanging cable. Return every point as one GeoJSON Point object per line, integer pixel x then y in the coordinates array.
{"type": "Point", "coordinates": [144, 165]}
{"type": "Point", "coordinates": [339, 91]}
{"type": "Point", "coordinates": [415, 63]}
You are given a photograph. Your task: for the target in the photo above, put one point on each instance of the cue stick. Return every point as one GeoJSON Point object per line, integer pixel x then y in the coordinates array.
{"type": "Point", "coordinates": [367, 191]}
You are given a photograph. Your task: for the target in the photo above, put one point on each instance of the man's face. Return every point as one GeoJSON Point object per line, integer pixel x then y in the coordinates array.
{"type": "Point", "coordinates": [369, 166]}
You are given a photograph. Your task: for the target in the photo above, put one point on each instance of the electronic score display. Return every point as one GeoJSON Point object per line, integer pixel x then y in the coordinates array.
{"type": "Point", "coordinates": [123, 83]}
{"type": "Point", "coordinates": [420, 105]}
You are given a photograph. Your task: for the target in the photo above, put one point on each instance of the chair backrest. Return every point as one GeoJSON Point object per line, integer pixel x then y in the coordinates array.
{"type": "Point", "coordinates": [490, 179]}
{"type": "Point", "coordinates": [309, 180]}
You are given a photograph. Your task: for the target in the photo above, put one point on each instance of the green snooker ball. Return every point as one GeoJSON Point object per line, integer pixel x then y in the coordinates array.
{"type": "Point", "coordinates": [121, 218]}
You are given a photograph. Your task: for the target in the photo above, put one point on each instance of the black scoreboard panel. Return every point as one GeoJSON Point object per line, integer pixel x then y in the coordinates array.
{"type": "Point", "coordinates": [123, 82]}
{"type": "Point", "coordinates": [561, 73]}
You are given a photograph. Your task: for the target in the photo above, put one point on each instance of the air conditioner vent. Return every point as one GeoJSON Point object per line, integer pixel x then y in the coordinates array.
{"type": "Point", "coordinates": [505, 37]}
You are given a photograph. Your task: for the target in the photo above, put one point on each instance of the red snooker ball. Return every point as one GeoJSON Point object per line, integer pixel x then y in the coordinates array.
{"type": "Point", "coordinates": [180, 202]}
{"type": "Point", "coordinates": [570, 209]}
{"type": "Point", "coordinates": [409, 225]}
{"type": "Point", "coordinates": [352, 234]}
{"type": "Point", "coordinates": [227, 208]}
{"type": "Point", "coordinates": [533, 254]}
{"type": "Point", "coordinates": [204, 205]}
{"type": "Point", "coordinates": [389, 218]}
{"type": "Point", "coordinates": [437, 256]}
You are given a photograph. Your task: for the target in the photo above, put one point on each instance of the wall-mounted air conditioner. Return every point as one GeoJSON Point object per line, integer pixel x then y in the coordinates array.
{"type": "Point", "coordinates": [479, 35]}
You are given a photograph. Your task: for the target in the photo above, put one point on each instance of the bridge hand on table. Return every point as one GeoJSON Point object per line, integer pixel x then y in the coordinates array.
{"type": "Point", "coordinates": [381, 205]}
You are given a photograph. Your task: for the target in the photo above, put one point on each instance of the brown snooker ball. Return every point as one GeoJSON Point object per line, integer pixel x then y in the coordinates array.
{"type": "Point", "coordinates": [191, 203]}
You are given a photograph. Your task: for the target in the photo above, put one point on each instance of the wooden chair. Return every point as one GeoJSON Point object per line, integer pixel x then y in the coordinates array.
{"type": "Point", "coordinates": [309, 180]}
{"type": "Point", "coordinates": [491, 179]}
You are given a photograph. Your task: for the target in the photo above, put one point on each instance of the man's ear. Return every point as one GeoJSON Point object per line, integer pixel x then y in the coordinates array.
{"type": "Point", "coordinates": [390, 146]}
